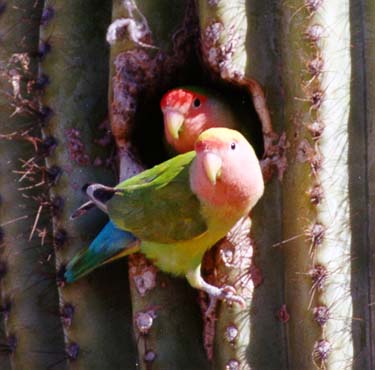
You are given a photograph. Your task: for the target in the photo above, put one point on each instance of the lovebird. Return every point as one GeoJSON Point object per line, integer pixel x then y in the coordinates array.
{"type": "Point", "coordinates": [187, 112]}
{"type": "Point", "coordinates": [178, 209]}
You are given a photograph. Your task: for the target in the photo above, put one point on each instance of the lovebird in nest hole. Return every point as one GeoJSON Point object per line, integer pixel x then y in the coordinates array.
{"type": "Point", "coordinates": [177, 210]}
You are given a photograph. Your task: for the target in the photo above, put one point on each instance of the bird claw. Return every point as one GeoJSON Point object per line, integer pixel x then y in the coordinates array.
{"type": "Point", "coordinates": [229, 294]}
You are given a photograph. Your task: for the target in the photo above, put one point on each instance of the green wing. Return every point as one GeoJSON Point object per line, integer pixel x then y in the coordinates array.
{"type": "Point", "coordinates": [158, 205]}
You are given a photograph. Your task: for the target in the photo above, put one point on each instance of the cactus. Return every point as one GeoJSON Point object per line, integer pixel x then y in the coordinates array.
{"type": "Point", "coordinates": [76, 68]}
{"type": "Point", "coordinates": [317, 130]}
{"type": "Point", "coordinates": [28, 298]}
{"type": "Point", "coordinates": [305, 267]}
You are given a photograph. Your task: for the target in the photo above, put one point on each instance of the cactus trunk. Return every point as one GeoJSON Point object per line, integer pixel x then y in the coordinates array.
{"type": "Point", "coordinates": [317, 81]}
{"type": "Point", "coordinates": [75, 97]}
{"type": "Point", "coordinates": [31, 335]}
{"type": "Point", "coordinates": [305, 268]}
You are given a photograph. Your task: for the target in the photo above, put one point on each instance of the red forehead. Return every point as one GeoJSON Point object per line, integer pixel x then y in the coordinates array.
{"type": "Point", "coordinates": [208, 144]}
{"type": "Point", "coordinates": [178, 97]}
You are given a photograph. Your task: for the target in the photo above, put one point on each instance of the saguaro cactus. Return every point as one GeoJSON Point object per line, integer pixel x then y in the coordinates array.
{"type": "Point", "coordinates": [306, 267]}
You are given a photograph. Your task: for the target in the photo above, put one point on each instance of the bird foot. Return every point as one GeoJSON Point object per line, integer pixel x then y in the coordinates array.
{"type": "Point", "coordinates": [229, 294]}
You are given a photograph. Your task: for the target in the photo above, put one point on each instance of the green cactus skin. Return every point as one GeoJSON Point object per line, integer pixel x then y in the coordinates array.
{"type": "Point", "coordinates": [318, 260]}
{"type": "Point", "coordinates": [99, 335]}
{"type": "Point", "coordinates": [167, 322]}
{"type": "Point", "coordinates": [31, 335]}
{"type": "Point", "coordinates": [233, 267]}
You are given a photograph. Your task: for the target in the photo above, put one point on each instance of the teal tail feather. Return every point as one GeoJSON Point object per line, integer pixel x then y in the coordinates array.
{"type": "Point", "coordinates": [111, 243]}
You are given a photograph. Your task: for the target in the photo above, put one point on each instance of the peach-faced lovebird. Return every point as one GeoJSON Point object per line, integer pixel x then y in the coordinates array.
{"type": "Point", "coordinates": [180, 208]}
{"type": "Point", "coordinates": [188, 111]}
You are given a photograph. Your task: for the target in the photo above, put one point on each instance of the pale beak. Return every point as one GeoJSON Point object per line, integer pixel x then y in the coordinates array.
{"type": "Point", "coordinates": [173, 122]}
{"type": "Point", "coordinates": [212, 166]}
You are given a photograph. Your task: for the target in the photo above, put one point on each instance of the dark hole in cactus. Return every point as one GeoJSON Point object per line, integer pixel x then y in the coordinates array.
{"type": "Point", "coordinates": [57, 204]}
{"type": "Point", "coordinates": [47, 15]}
{"type": "Point", "coordinates": [60, 238]}
{"type": "Point", "coordinates": [72, 351]}
{"type": "Point", "coordinates": [148, 133]}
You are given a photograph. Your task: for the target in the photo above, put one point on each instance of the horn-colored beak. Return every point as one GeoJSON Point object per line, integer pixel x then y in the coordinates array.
{"type": "Point", "coordinates": [212, 166]}
{"type": "Point", "coordinates": [173, 121]}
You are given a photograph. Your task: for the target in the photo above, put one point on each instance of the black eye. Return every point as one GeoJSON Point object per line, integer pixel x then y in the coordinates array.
{"type": "Point", "coordinates": [233, 146]}
{"type": "Point", "coordinates": [196, 103]}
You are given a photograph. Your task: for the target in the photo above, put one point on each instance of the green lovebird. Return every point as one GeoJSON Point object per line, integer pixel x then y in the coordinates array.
{"type": "Point", "coordinates": [187, 111]}
{"type": "Point", "coordinates": [178, 209]}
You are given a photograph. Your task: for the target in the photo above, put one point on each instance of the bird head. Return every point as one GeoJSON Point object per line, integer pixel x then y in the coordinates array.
{"type": "Point", "coordinates": [226, 169]}
{"type": "Point", "coordinates": [188, 111]}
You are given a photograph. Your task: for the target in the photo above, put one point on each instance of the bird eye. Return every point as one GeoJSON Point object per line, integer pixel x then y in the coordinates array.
{"type": "Point", "coordinates": [233, 146]}
{"type": "Point", "coordinates": [196, 103]}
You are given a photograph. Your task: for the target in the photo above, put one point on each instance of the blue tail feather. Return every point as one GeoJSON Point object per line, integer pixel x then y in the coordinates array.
{"type": "Point", "coordinates": [110, 242]}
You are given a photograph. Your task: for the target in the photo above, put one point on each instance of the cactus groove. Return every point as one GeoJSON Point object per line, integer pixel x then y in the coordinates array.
{"type": "Point", "coordinates": [361, 191]}
{"type": "Point", "coordinates": [75, 96]}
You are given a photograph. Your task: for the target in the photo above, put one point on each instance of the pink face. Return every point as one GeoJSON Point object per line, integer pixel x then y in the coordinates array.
{"type": "Point", "coordinates": [186, 115]}
{"type": "Point", "coordinates": [226, 170]}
